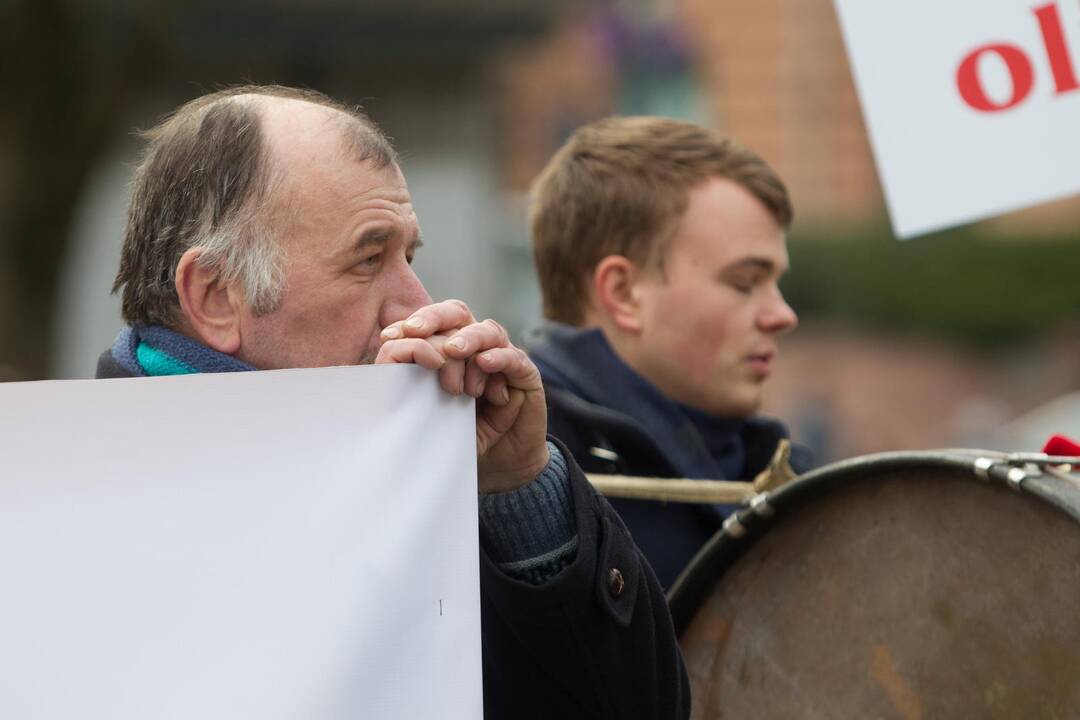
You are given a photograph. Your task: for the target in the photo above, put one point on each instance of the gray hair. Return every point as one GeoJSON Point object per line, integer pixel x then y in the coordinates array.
{"type": "Point", "coordinates": [205, 180]}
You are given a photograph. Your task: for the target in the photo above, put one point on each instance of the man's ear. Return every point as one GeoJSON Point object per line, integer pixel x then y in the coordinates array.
{"type": "Point", "coordinates": [615, 292]}
{"type": "Point", "coordinates": [212, 310]}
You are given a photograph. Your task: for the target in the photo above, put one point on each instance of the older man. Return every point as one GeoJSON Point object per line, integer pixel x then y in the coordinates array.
{"type": "Point", "coordinates": [659, 245]}
{"type": "Point", "coordinates": [272, 228]}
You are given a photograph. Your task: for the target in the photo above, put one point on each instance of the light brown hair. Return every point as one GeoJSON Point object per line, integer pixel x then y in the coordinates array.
{"type": "Point", "coordinates": [204, 181]}
{"type": "Point", "coordinates": [618, 186]}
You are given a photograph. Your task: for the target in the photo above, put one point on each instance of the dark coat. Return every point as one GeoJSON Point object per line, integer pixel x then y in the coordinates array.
{"type": "Point", "coordinates": [607, 442]}
{"type": "Point", "coordinates": [578, 646]}
{"type": "Point", "coordinates": [582, 379]}
{"type": "Point", "coordinates": [596, 641]}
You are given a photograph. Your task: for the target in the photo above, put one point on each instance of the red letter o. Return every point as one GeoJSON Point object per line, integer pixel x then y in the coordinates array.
{"type": "Point", "coordinates": [970, 86]}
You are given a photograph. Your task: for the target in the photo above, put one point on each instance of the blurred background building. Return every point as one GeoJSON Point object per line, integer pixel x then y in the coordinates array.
{"type": "Point", "coordinates": [952, 339]}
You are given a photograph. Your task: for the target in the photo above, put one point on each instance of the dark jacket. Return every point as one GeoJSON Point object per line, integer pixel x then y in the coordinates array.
{"type": "Point", "coordinates": [596, 641]}
{"type": "Point", "coordinates": [615, 422]}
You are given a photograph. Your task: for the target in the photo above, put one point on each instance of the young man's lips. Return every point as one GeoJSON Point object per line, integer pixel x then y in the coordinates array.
{"type": "Point", "coordinates": [760, 363]}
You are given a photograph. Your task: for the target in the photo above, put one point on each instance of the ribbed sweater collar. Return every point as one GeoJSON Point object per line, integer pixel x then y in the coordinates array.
{"type": "Point", "coordinates": [180, 348]}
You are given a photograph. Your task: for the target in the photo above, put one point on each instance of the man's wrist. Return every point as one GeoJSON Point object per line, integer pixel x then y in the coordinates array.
{"type": "Point", "coordinates": [530, 532]}
{"type": "Point", "coordinates": [509, 481]}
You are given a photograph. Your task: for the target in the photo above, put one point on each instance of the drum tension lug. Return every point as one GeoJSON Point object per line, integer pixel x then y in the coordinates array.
{"type": "Point", "coordinates": [733, 527]}
{"type": "Point", "coordinates": [1016, 477]}
{"type": "Point", "coordinates": [760, 505]}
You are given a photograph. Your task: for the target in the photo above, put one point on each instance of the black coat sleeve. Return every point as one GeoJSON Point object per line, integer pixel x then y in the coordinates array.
{"type": "Point", "coordinates": [583, 645]}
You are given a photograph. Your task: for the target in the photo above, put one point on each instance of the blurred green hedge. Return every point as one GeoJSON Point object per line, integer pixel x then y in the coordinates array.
{"type": "Point", "coordinates": [960, 285]}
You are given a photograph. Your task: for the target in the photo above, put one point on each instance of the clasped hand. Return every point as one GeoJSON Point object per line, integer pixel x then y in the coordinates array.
{"type": "Point", "coordinates": [478, 359]}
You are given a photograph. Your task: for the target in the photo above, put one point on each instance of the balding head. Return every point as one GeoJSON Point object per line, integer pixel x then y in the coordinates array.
{"type": "Point", "coordinates": [208, 179]}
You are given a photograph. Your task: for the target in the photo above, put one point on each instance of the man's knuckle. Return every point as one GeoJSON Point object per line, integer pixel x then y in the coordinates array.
{"type": "Point", "coordinates": [498, 330]}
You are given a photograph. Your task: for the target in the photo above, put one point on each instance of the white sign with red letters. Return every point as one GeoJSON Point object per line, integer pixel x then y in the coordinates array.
{"type": "Point", "coordinates": [973, 106]}
{"type": "Point", "coordinates": [273, 545]}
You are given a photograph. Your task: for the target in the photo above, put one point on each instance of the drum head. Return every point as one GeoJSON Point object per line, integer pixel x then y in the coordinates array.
{"type": "Point", "coordinates": [911, 593]}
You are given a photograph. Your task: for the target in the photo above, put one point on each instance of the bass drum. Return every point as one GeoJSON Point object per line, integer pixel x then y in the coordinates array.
{"type": "Point", "coordinates": [906, 585]}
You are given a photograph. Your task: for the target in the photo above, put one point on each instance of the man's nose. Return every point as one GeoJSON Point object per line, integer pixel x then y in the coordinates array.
{"type": "Point", "coordinates": [405, 295]}
{"type": "Point", "coordinates": [777, 316]}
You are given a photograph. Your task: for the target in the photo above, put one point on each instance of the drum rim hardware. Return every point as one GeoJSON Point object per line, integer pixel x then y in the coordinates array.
{"type": "Point", "coordinates": [1043, 476]}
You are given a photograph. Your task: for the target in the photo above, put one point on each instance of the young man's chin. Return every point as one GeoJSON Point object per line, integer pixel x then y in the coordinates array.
{"type": "Point", "coordinates": [729, 406]}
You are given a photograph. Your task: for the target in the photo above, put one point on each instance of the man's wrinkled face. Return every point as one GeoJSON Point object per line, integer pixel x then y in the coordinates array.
{"type": "Point", "coordinates": [712, 314]}
{"type": "Point", "coordinates": [349, 235]}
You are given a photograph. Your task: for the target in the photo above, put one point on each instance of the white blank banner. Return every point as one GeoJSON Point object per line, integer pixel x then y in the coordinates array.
{"type": "Point", "coordinates": [972, 105]}
{"type": "Point", "coordinates": [287, 544]}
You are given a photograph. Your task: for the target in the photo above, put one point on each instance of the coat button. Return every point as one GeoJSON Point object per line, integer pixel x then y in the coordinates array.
{"type": "Point", "coordinates": [615, 582]}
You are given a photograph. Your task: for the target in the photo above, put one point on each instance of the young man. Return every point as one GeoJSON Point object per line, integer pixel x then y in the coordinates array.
{"type": "Point", "coordinates": [659, 245]}
{"type": "Point", "coordinates": [272, 228]}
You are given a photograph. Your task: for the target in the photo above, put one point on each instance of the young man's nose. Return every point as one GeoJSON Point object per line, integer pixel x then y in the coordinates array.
{"type": "Point", "coordinates": [777, 316]}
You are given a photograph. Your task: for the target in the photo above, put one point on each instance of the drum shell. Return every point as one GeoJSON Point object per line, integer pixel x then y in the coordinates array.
{"type": "Point", "coordinates": [898, 585]}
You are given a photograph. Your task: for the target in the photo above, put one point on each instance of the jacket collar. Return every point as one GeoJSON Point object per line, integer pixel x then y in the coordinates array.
{"type": "Point", "coordinates": [582, 362]}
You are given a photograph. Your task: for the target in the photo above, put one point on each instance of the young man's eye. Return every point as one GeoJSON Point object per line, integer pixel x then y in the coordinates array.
{"type": "Point", "coordinates": [744, 285]}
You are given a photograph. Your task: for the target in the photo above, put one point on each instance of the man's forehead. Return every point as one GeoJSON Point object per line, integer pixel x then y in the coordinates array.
{"type": "Point", "coordinates": [734, 225]}
{"type": "Point", "coordinates": [762, 250]}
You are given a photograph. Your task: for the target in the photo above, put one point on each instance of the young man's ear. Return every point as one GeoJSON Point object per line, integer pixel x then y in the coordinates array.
{"type": "Point", "coordinates": [212, 311]}
{"type": "Point", "coordinates": [616, 294]}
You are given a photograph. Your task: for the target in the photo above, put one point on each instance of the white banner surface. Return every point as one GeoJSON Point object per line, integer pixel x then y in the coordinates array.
{"type": "Point", "coordinates": [972, 105]}
{"type": "Point", "coordinates": [287, 544]}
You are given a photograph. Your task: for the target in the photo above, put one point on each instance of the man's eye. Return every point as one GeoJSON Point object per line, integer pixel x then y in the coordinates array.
{"type": "Point", "coordinates": [743, 285]}
{"type": "Point", "coordinates": [372, 261]}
